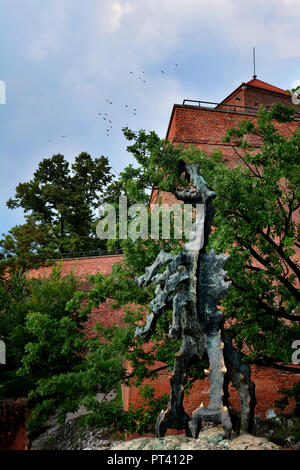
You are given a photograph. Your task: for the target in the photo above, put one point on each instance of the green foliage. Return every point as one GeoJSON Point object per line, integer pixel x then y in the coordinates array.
{"type": "Point", "coordinates": [158, 165]}
{"type": "Point", "coordinates": [64, 197]}
{"type": "Point", "coordinates": [53, 364]}
{"type": "Point", "coordinates": [256, 206]}
{"type": "Point", "coordinates": [257, 203]}
{"type": "Point", "coordinates": [13, 310]}
{"type": "Point", "coordinates": [27, 246]}
{"type": "Point", "coordinates": [282, 113]}
{"type": "Point", "coordinates": [44, 341]}
{"type": "Point", "coordinates": [288, 394]}
{"type": "Point", "coordinates": [138, 419]}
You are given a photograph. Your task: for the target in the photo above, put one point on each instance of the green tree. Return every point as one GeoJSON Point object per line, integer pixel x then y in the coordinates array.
{"type": "Point", "coordinates": [13, 310]}
{"type": "Point", "coordinates": [65, 197]}
{"type": "Point", "coordinates": [43, 339]}
{"type": "Point", "coordinates": [257, 204]}
{"type": "Point", "coordinates": [27, 246]}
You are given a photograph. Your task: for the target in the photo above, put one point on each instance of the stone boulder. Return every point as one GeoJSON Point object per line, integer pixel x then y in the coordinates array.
{"type": "Point", "coordinates": [209, 439]}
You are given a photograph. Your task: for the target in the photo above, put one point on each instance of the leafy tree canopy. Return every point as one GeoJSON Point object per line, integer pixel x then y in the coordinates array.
{"type": "Point", "coordinates": [27, 246]}
{"type": "Point", "coordinates": [257, 205]}
{"type": "Point", "coordinates": [64, 196]}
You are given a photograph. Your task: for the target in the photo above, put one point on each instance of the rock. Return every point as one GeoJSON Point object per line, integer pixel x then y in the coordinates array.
{"type": "Point", "coordinates": [104, 443]}
{"type": "Point", "coordinates": [72, 435]}
{"type": "Point", "coordinates": [249, 442]}
{"type": "Point", "coordinates": [115, 443]}
{"type": "Point", "coordinates": [271, 413]}
{"type": "Point", "coordinates": [296, 446]}
{"type": "Point", "coordinates": [209, 439]}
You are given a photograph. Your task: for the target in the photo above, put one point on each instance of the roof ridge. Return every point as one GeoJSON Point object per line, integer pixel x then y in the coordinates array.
{"type": "Point", "coordinates": [269, 85]}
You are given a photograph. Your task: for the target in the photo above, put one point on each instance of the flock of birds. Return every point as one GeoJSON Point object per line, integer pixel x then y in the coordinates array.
{"type": "Point", "coordinates": [107, 117]}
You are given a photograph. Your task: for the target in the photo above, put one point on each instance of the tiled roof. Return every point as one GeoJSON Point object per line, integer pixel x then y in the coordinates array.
{"type": "Point", "coordinates": [265, 86]}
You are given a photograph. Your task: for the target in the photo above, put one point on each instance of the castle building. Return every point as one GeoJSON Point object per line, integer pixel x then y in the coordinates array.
{"type": "Point", "coordinates": [201, 124]}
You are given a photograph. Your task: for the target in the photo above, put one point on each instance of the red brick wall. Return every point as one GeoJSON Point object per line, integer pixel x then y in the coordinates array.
{"type": "Point", "coordinates": [254, 96]}
{"type": "Point", "coordinates": [202, 128]}
{"type": "Point", "coordinates": [83, 266]}
{"type": "Point", "coordinates": [267, 380]}
{"type": "Point", "coordinates": [235, 99]}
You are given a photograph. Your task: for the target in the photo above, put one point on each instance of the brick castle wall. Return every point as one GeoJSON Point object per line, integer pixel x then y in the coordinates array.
{"type": "Point", "coordinates": [267, 380]}
{"type": "Point", "coordinates": [203, 128]}
{"type": "Point", "coordinates": [81, 267]}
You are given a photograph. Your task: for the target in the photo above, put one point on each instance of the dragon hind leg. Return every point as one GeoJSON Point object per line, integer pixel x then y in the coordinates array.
{"type": "Point", "coordinates": [239, 374]}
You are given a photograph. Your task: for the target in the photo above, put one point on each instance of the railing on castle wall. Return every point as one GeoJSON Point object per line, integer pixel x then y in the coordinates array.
{"type": "Point", "coordinates": [90, 254]}
{"type": "Point", "coordinates": [230, 107]}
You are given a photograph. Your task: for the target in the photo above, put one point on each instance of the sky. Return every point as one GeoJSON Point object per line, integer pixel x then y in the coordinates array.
{"type": "Point", "coordinates": [65, 61]}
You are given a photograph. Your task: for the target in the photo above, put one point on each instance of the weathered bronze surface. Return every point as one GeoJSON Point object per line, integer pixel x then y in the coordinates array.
{"type": "Point", "coordinates": [193, 284]}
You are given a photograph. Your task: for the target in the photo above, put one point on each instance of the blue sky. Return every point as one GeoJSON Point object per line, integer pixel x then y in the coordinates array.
{"type": "Point", "coordinates": [63, 60]}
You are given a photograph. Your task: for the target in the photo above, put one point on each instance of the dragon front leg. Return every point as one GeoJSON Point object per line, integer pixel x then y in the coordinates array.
{"type": "Point", "coordinates": [175, 416]}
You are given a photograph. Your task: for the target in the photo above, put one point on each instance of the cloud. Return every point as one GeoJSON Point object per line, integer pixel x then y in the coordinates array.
{"type": "Point", "coordinates": [48, 28]}
{"type": "Point", "coordinates": [64, 58]}
{"type": "Point", "coordinates": [116, 12]}
{"type": "Point", "coordinates": [110, 14]}
{"type": "Point", "coordinates": [295, 84]}
{"type": "Point", "coordinates": [148, 30]}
